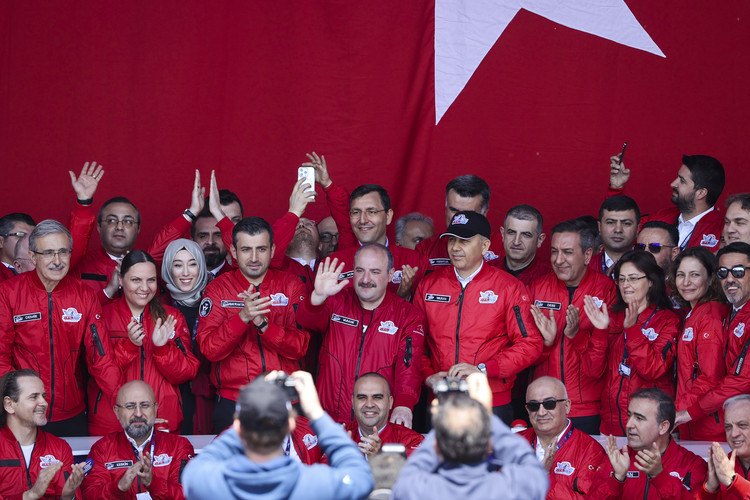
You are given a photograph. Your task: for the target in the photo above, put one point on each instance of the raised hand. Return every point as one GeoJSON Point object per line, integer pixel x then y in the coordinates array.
{"type": "Point", "coordinates": [163, 331]}
{"type": "Point", "coordinates": [619, 459]}
{"type": "Point", "coordinates": [136, 333]}
{"type": "Point", "coordinates": [402, 415]}
{"type": "Point", "coordinates": [618, 174]}
{"type": "Point", "coordinates": [723, 465]}
{"type": "Point", "coordinates": [649, 461]}
{"type": "Point", "coordinates": [546, 325]}
{"type": "Point", "coordinates": [572, 321]}
{"type": "Point", "coordinates": [255, 308]}
{"type": "Point", "coordinates": [300, 197]}
{"type": "Point", "coordinates": [631, 313]}
{"type": "Point", "coordinates": [42, 482]}
{"type": "Point", "coordinates": [114, 282]}
{"type": "Point", "coordinates": [214, 203]}
{"type": "Point", "coordinates": [370, 444]}
{"type": "Point", "coordinates": [407, 280]}
{"type": "Point", "coordinates": [549, 456]}
{"type": "Point", "coordinates": [327, 281]}
{"type": "Point", "coordinates": [87, 181]}
{"type": "Point", "coordinates": [321, 169]}
{"type": "Point", "coordinates": [73, 482]}
{"type": "Point", "coordinates": [599, 317]}
{"type": "Point", "coordinates": [197, 197]}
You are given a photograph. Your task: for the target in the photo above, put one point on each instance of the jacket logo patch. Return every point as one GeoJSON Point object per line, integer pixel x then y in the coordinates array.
{"type": "Point", "coordinates": [24, 318]}
{"type": "Point", "coordinates": [543, 304]}
{"type": "Point", "coordinates": [688, 335]}
{"type": "Point", "coordinates": [598, 302]}
{"type": "Point", "coordinates": [388, 327]}
{"type": "Point", "coordinates": [344, 320]}
{"type": "Point", "coordinates": [460, 219]}
{"type": "Point", "coordinates": [162, 460]}
{"type": "Point", "coordinates": [47, 460]}
{"type": "Point", "coordinates": [70, 315]}
{"type": "Point", "coordinates": [564, 468]}
{"type": "Point", "coordinates": [650, 334]}
{"type": "Point", "coordinates": [632, 474]}
{"type": "Point", "coordinates": [440, 262]}
{"type": "Point", "coordinates": [233, 304]}
{"type": "Point", "coordinates": [490, 255]}
{"type": "Point", "coordinates": [346, 276]}
{"type": "Point", "coordinates": [205, 307]}
{"type": "Point", "coordinates": [120, 464]}
{"type": "Point", "coordinates": [310, 441]}
{"type": "Point", "coordinates": [431, 297]}
{"type": "Point", "coordinates": [279, 299]}
{"type": "Point", "coordinates": [709, 240]}
{"type": "Point", "coordinates": [487, 297]}
{"type": "Point", "coordinates": [397, 277]}
{"type": "Point", "coordinates": [739, 330]}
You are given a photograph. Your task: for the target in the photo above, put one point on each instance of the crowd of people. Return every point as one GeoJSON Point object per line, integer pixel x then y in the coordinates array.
{"type": "Point", "coordinates": [634, 327]}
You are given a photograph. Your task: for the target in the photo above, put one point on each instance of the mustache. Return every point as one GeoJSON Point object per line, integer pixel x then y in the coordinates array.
{"type": "Point", "coordinates": [54, 266]}
{"type": "Point", "coordinates": [211, 247]}
{"type": "Point", "coordinates": [367, 285]}
{"type": "Point", "coordinates": [142, 420]}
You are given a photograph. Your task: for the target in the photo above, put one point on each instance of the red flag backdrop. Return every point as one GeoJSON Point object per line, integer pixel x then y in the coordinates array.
{"type": "Point", "coordinates": [154, 90]}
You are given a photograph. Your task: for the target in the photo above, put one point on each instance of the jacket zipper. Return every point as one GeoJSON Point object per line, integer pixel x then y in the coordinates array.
{"type": "Point", "coordinates": [51, 356]}
{"type": "Point", "coordinates": [143, 360]}
{"type": "Point", "coordinates": [361, 346]}
{"type": "Point", "coordinates": [460, 304]}
{"type": "Point", "coordinates": [260, 345]}
{"type": "Point", "coordinates": [28, 474]}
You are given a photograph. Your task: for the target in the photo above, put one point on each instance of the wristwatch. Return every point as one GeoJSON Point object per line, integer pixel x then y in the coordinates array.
{"type": "Point", "coordinates": [262, 325]}
{"type": "Point", "coordinates": [482, 368]}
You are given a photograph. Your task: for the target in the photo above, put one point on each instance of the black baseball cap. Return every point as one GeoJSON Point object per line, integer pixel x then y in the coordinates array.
{"type": "Point", "coordinates": [263, 406]}
{"type": "Point", "coordinates": [467, 224]}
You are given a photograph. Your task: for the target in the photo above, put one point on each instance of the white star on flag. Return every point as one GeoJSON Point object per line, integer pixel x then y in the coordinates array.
{"type": "Point", "coordinates": [465, 31]}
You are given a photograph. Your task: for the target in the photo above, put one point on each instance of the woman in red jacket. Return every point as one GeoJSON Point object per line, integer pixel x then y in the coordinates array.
{"type": "Point", "coordinates": [640, 347]}
{"type": "Point", "coordinates": [151, 343]}
{"type": "Point", "coordinates": [700, 348]}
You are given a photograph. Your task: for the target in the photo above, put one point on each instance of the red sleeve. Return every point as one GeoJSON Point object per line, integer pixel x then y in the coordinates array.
{"type": "Point", "coordinates": [176, 365]}
{"type": "Point", "coordinates": [99, 356]}
{"type": "Point", "coordinates": [99, 483]}
{"type": "Point", "coordinates": [219, 329]}
{"type": "Point", "coordinates": [81, 226]}
{"type": "Point", "coordinates": [408, 373]}
{"type": "Point", "coordinates": [178, 228]}
{"type": "Point", "coordinates": [283, 334]}
{"type": "Point", "coordinates": [427, 368]}
{"type": "Point", "coordinates": [670, 486]}
{"type": "Point", "coordinates": [283, 232]}
{"type": "Point", "coordinates": [338, 204]}
{"type": "Point", "coordinates": [730, 385]}
{"type": "Point", "coordinates": [7, 329]}
{"type": "Point", "coordinates": [653, 358]}
{"type": "Point", "coordinates": [226, 226]}
{"type": "Point", "coordinates": [314, 318]}
{"type": "Point", "coordinates": [710, 341]}
{"type": "Point", "coordinates": [126, 352]}
{"type": "Point", "coordinates": [171, 488]}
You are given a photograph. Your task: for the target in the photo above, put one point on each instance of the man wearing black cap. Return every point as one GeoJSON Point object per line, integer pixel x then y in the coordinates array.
{"type": "Point", "coordinates": [262, 421]}
{"type": "Point", "coordinates": [478, 317]}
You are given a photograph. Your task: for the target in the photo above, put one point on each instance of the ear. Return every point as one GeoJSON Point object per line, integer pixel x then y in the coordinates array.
{"type": "Point", "coordinates": [664, 428]}
{"type": "Point", "coordinates": [391, 272]}
{"type": "Point", "coordinates": [587, 255]}
{"type": "Point", "coordinates": [502, 232]}
{"type": "Point", "coordinates": [8, 405]}
{"type": "Point", "coordinates": [233, 251]}
{"type": "Point", "coordinates": [701, 193]}
{"type": "Point", "coordinates": [567, 406]}
{"type": "Point", "coordinates": [540, 239]}
{"type": "Point", "coordinates": [390, 403]}
{"type": "Point", "coordinates": [485, 246]}
{"type": "Point", "coordinates": [388, 216]}
{"type": "Point", "coordinates": [273, 250]}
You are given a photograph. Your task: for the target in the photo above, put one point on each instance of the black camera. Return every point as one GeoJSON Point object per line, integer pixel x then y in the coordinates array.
{"type": "Point", "coordinates": [286, 382]}
{"type": "Point", "coordinates": [449, 385]}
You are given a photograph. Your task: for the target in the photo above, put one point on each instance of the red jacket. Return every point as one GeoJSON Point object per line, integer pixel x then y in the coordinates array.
{"type": "Point", "coordinates": [306, 444]}
{"type": "Point", "coordinates": [650, 357]}
{"type": "Point", "coordinates": [113, 454]}
{"type": "Point", "coordinates": [391, 433]}
{"type": "Point", "coordinates": [538, 268]}
{"type": "Point", "coordinates": [700, 366]}
{"type": "Point", "coordinates": [575, 465]}
{"type": "Point", "coordinates": [388, 340]}
{"type": "Point", "coordinates": [306, 274]}
{"type": "Point", "coordinates": [163, 368]}
{"type": "Point", "coordinates": [488, 322]}
{"type": "Point", "coordinates": [684, 473]}
{"type": "Point", "coordinates": [6, 273]}
{"type": "Point", "coordinates": [51, 333]}
{"type": "Point", "coordinates": [739, 489]}
{"type": "Point", "coordinates": [15, 478]}
{"type": "Point", "coordinates": [435, 249]}
{"type": "Point", "coordinates": [566, 359]}
{"type": "Point", "coordinates": [596, 263]}
{"type": "Point", "coordinates": [737, 379]}
{"type": "Point", "coordinates": [238, 353]}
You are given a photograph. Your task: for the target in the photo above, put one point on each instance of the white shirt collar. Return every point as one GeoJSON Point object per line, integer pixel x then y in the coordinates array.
{"type": "Point", "coordinates": [302, 261]}
{"type": "Point", "coordinates": [467, 280]}
{"type": "Point", "coordinates": [140, 448]}
{"type": "Point", "coordinates": [695, 219]}
{"type": "Point", "coordinates": [608, 261]}
{"type": "Point", "coordinates": [540, 452]}
{"type": "Point", "coordinates": [217, 269]}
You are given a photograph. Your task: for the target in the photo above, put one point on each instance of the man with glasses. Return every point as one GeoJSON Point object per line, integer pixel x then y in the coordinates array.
{"type": "Point", "coordinates": [49, 321]}
{"type": "Point", "coordinates": [139, 462]}
{"type": "Point", "coordinates": [662, 241]}
{"type": "Point", "coordinates": [13, 228]}
{"type": "Point", "coordinates": [571, 457]}
{"type": "Point", "coordinates": [329, 237]}
{"type": "Point", "coordinates": [734, 263]}
{"type": "Point", "coordinates": [22, 262]}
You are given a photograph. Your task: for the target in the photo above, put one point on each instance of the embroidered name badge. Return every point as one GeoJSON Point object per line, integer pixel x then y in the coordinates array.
{"type": "Point", "coordinates": [162, 460]}
{"type": "Point", "coordinates": [543, 304]}
{"type": "Point", "coordinates": [47, 460]}
{"type": "Point", "coordinates": [739, 330]}
{"type": "Point", "coordinates": [310, 441]}
{"type": "Point", "coordinates": [564, 468]}
{"type": "Point", "coordinates": [440, 262]}
{"type": "Point", "coordinates": [650, 334]}
{"type": "Point", "coordinates": [120, 464]}
{"type": "Point", "coordinates": [709, 240]}
{"type": "Point", "coordinates": [632, 474]}
{"type": "Point", "coordinates": [347, 275]}
{"type": "Point", "coordinates": [487, 297]}
{"type": "Point", "coordinates": [25, 318]}
{"type": "Point", "coordinates": [233, 304]}
{"type": "Point", "coordinates": [387, 327]}
{"type": "Point", "coordinates": [344, 320]}
{"type": "Point", "coordinates": [688, 334]}
{"type": "Point", "coordinates": [70, 315]}
{"type": "Point", "coordinates": [397, 277]}
{"type": "Point", "coordinates": [431, 297]}
{"type": "Point", "coordinates": [490, 255]}
{"type": "Point", "coordinates": [279, 299]}
{"type": "Point", "coordinates": [460, 219]}
{"type": "Point", "coordinates": [205, 307]}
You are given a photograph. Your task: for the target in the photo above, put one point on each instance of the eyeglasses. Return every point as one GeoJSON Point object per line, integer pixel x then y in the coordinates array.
{"type": "Point", "coordinates": [549, 404]}
{"type": "Point", "coordinates": [630, 279]}
{"type": "Point", "coordinates": [19, 234]}
{"type": "Point", "coordinates": [114, 221]}
{"type": "Point", "coordinates": [357, 213]}
{"type": "Point", "coordinates": [653, 248]}
{"type": "Point", "coordinates": [737, 271]}
{"type": "Point", "coordinates": [51, 254]}
{"type": "Point", "coordinates": [143, 405]}
{"type": "Point", "coordinates": [326, 237]}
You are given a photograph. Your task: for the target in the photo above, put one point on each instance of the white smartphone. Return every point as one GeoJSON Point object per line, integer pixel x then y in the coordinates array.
{"type": "Point", "coordinates": [308, 173]}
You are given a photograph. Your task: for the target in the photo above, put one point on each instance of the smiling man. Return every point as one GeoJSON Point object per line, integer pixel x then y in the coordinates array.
{"type": "Point", "coordinates": [737, 219]}
{"type": "Point", "coordinates": [365, 328]}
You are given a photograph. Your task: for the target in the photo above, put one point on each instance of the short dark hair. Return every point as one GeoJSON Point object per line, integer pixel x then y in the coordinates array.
{"type": "Point", "coordinates": [620, 203]}
{"type": "Point", "coordinates": [587, 234]}
{"type": "Point", "coordinates": [9, 388]}
{"type": "Point", "coordinates": [469, 186]}
{"type": "Point", "coordinates": [402, 221]}
{"type": "Point", "coordinates": [252, 226]}
{"type": "Point", "coordinates": [364, 189]}
{"type": "Point", "coordinates": [742, 198]}
{"type": "Point", "coordinates": [205, 213]}
{"type": "Point", "coordinates": [707, 172]}
{"type": "Point", "coordinates": [646, 263]}
{"type": "Point", "coordinates": [710, 263]}
{"type": "Point", "coordinates": [118, 199]}
{"type": "Point", "coordinates": [526, 212]}
{"type": "Point", "coordinates": [226, 197]}
{"type": "Point", "coordinates": [268, 435]}
{"type": "Point", "coordinates": [469, 442]}
{"type": "Point", "coordinates": [736, 247]}
{"type": "Point", "coordinates": [378, 246]}
{"type": "Point", "coordinates": [9, 220]}
{"type": "Point", "coordinates": [665, 409]}
{"type": "Point", "coordinates": [139, 257]}
{"type": "Point", "coordinates": [671, 229]}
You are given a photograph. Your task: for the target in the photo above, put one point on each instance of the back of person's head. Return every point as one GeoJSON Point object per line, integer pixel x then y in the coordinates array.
{"type": "Point", "coordinates": [462, 429]}
{"type": "Point", "coordinates": [620, 203]}
{"type": "Point", "coordinates": [674, 234]}
{"type": "Point", "coordinates": [263, 413]}
{"type": "Point", "coordinates": [118, 199]}
{"type": "Point", "coordinates": [469, 186]}
{"type": "Point", "coordinates": [10, 388]}
{"type": "Point", "coordinates": [252, 226]}
{"type": "Point", "coordinates": [707, 172]}
{"type": "Point", "coordinates": [9, 220]}
{"type": "Point", "coordinates": [385, 468]}
{"type": "Point", "coordinates": [581, 227]}
{"type": "Point", "coordinates": [527, 212]}
{"type": "Point", "coordinates": [665, 404]}
{"type": "Point", "coordinates": [366, 189]}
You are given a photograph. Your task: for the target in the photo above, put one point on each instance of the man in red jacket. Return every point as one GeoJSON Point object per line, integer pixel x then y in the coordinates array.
{"type": "Point", "coordinates": [372, 402]}
{"type": "Point", "coordinates": [13, 228]}
{"type": "Point", "coordinates": [35, 464]}
{"type": "Point", "coordinates": [737, 219]}
{"type": "Point", "coordinates": [618, 225]}
{"type": "Point", "coordinates": [522, 237]}
{"type": "Point", "coordinates": [699, 183]}
{"type": "Point", "coordinates": [139, 460]}
{"type": "Point", "coordinates": [247, 323]}
{"type": "Point", "coordinates": [478, 317]}
{"type": "Point", "coordinates": [366, 328]}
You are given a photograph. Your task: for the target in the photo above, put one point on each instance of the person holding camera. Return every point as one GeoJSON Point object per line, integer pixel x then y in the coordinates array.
{"type": "Point", "coordinates": [262, 420]}
{"type": "Point", "coordinates": [470, 453]}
